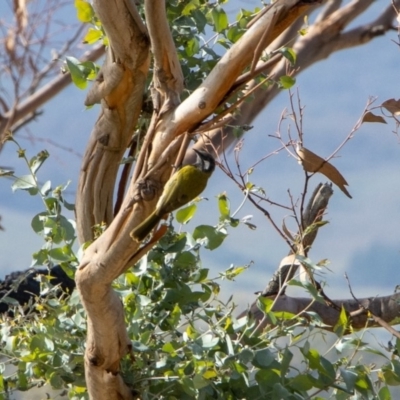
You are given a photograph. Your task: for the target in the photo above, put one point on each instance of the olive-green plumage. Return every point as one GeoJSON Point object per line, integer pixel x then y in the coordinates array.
{"type": "Point", "coordinates": [185, 185]}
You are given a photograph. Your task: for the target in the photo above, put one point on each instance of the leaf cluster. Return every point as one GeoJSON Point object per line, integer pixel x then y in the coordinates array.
{"type": "Point", "coordinates": [186, 342]}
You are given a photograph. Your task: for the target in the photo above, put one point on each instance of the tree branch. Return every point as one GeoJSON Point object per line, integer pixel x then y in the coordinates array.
{"type": "Point", "coordinates": [168, 76]}
{"type": "Point", "coordinates": [387, 308]}
{"type": "Point", "coordinates": [119, 88]}
{"type": "Point", "coordinates": [323, 38]}
{"type": "Point", "coordinates": [313, 214]}
{"type": "Point", "coordinates": [41, 96]}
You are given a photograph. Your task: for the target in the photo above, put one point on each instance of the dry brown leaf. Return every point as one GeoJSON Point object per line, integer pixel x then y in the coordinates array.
{"type": "Point", "coordinates": [392, 105]}
{"type": "Point", "coordinates": [370, 117]}
{"type": "Point", "coordinates": [311, 162]}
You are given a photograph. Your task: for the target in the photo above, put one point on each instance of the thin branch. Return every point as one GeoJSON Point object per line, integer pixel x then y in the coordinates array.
{"type": "Point", "coordinates": [42, 96]}
{"type": "Point", "coordinates": [168, 76]}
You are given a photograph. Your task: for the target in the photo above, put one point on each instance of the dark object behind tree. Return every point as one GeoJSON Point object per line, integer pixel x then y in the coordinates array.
{"type": "Point", "coordinates": [23, 285]}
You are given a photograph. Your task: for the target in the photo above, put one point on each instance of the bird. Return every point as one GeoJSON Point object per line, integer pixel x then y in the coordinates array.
{"type": "Point", "coordinates": [183, 186]}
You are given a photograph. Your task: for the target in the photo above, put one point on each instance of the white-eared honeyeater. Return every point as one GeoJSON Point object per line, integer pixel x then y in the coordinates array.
{"type": "Point", "coordinates": [183, 186]}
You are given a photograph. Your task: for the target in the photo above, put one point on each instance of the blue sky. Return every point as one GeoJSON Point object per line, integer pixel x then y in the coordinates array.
{"type": "Point", "coordinates": [362, 235]}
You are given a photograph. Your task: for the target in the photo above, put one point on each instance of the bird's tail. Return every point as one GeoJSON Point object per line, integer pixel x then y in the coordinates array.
{"type": "Point", "coordinates": [142, 230]}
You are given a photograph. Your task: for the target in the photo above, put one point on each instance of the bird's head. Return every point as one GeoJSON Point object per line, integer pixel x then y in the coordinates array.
{"type": "Point", "coordinates": [204, 161]}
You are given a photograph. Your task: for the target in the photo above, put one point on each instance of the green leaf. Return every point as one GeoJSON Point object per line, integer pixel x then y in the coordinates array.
{"type": "Point", "coordinates": [266, 378]}
{"type": "Point", "coordinates": [384, 394]}
{"type": "Point", "coordinates": [391, 374]}
{"type": "Point", "coordinates": [240, 323]}
{"type": "Point", "coordinates": [280, 392]}
{"type": "Point", "coordinates": [200, 275]}
{"type": "Point", "coordinates": [46, 188]}
{"type": "Point", "coordinates": [92, 36]}
{"type": "Point", "coordinates": [192, 47]}
{"type": "Point", "coordinates": [9, 300]}
{"type": "Point", "coordinates": [185, 259]}
{"type": "Point", "coordinates": [175, 316]}
{"type": "Point", "coordinates": [246, 356]}
{"type": "Point", "coordinates": [53, 205]}
{"type": "Point", "coordinates": [234, 33]}
{"type": "Point", "coordinates": [310, 289]}
{"type": "Point", "coordinates": [84, 11]}
{"type": "Point", "coordinates": [223, 206]}
{"type": "Point", "coordinates": [40, 258]}
{"type": "Point", "coordinates": [328, 369]}
{"type": "Point", "coordinates": [76, 71]}
{"type": "Point", "coordinates": [139, 346]}
{"type": "Point", "coordinates": [67, 228]}
{"type": "Point", "coordinates": [303, 32]}
{"type": "Point", "coordinates": [350, 378]}
{"type": "Point", "coordinates": [356, 343]}
{"type": "Point", "coordinates": [22, 381]}
{"type": "Point", "coordinates": [185, 214]}
{"type": "Point", "coordinates": [232, 272]}
{"type": "Point", "coordinates": [301, 382]}
{"type": "Point", "coordinates": [289, 54]}
{"type": "Point", "coordinates": [191, 6]}
{"type": "Point", "coordinates": [313, 358]}
{"type": "Point", "coordinates": [62, 254]}
{"type": "Point", "coordinates": [220, 19]}
{"type": "Point", "coordinates": [285, 363]}
{"type": "Point", "coordinates": [263, 358]}
{"type": "Point", "coordinates": [234, 222]}
{"type": "Point", "coordinates": [10, 343]}
{"type": "Point", "coordinates": [171, 347]}
{"type": "Point", "coordinates": [37, 161]}
{"type": "Point", "coordinates": [286, 82]}
{"type": "Point", "coordinates": [176, 246]}
{"type": "Point", "coordinates": [200, 19]}
{"type": "Point", "coordinates": [89, 69]}
{"type": "Point", "coordinates": [55, 381]}
{"type": "Point", "coordinates": [264, 304]}
{"type": "Point", "coordinates": [314, 226]}
{"type": "Point", "coordinates": [188, 387]}
{"type": "Point", "coordinates": [363, 383]}
{"type": "Point", "coordinates": [209, 235]}
{"type": "Point", "coordinates": [283, 315]}
{"type": "Point", "coordinates": [342, 324]}
{"type": "Point", "coordinates": [25, 182]}
{"type": "Point", "coordinates": [199, 382]}
{"type": "Point", "coordinates": [207, 341]}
